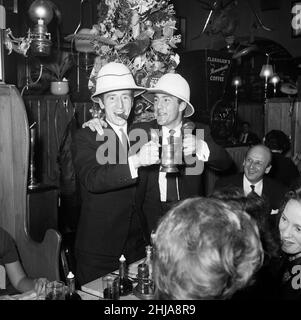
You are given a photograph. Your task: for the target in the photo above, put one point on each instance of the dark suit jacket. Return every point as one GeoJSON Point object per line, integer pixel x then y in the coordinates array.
{"type": "Point", "coordinates": [148, 193]}
{"type": "Point", "coordinates": [283, 169]}
{"type": "Point", "coordinates": [108, 194]}
{"type": "Point", "coordinates": [272, 190]}
{"type": "Point", "coordinates": [252, 138]}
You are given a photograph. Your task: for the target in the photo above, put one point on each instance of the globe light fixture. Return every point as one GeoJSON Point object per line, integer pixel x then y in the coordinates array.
{"type": "Point", "coordinates": [274, 80]}
{"type": "Point", "coordinates": [40, 12]}
{"type": "Point", "coordinates": [236, 82]}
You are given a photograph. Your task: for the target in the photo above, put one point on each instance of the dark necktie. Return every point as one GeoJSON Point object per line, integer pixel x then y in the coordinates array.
{"type": "Point", "coordinates": [171, 187]}
{"type": "Point", "coordinates": [171, 178]}
{"type": "Point", "coordinates": [253, 188]}
{"type": "Point", "coordinates": [171, 136]}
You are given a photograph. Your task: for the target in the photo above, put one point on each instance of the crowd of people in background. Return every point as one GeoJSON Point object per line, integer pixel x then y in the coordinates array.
{"type": "Point", "coordinates": [243, 241]}
{"type": "Point", "coordinates": [240, 242]}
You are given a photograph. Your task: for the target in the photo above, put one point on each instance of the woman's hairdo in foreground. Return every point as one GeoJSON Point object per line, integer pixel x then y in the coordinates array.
{"type": "Point", "coordinates": [205, 249]}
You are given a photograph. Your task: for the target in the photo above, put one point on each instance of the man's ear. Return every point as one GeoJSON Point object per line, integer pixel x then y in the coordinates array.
{"type": "Point", "coordinates": [182, 106]}
{"type": "Point", "coordinates": [267, 169]}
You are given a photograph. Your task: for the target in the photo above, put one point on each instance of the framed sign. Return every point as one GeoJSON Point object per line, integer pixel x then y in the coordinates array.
{"type": "Point", "coordinates": [296, 19]}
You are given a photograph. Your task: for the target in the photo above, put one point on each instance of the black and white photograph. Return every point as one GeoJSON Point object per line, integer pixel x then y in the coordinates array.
{"type": "Point", "coordinates": [150, 151]}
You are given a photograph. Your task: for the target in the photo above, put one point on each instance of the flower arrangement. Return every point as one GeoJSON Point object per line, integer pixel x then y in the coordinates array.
{"type": "Point", "coordinates": [138, 33]}
{"type": "Point", "coordinates": [19, 45]}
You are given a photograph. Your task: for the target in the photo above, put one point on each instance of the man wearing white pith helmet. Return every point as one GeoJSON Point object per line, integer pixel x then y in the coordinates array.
{"type": "Point", "coordinates": [156, 191]}
{"type": "Point", "coordinates": [171, 96]}
{"type": "Point", "coordinates": [108, 226]}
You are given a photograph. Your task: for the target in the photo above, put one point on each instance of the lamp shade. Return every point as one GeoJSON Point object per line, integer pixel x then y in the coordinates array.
{"type": "Point", "coordinates": [266, 71]}
{"type": "Point", "coordinates": [41, 9]}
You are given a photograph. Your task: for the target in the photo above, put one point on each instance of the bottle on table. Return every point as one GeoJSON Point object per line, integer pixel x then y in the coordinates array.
{"type": "Point", "coordinates": [149, 261]}
{"type": "Point", "coordinates": [71, 294]}
{"type": "Point", "coordinates": [125, 284]}
{"type": "Point", "coordinates": [143, 279]}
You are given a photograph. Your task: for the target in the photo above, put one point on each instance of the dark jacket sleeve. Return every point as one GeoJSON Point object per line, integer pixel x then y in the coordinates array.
{"type": "Point", "coordinates": [94, 177]}
{"type": "Point", "coordinates": [233, 181]}
{"type": "Point", "coordinates": [219, 158]}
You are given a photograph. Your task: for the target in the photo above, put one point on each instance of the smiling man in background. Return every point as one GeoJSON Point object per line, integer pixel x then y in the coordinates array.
{"type": "Point", "coordinates": [257, 164]}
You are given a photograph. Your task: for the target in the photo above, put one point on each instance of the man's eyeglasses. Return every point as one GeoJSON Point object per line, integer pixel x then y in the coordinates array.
{"type": "Point", "coordinates": [255, 163]}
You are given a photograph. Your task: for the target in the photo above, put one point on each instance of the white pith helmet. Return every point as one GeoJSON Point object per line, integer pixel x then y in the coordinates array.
{"type": "Point", "coordinates": [115, 76]}
{"type": "Point", "coordinates": [175, 85]}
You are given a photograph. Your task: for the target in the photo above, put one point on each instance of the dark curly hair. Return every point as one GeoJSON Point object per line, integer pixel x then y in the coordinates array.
{"type": "Point", "coordinates": [258, 208]}
{"type": "Point", "coordinates": [277, 140]}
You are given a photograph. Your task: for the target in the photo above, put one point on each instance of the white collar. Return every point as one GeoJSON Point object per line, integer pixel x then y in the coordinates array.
{"type": "Point", "coordinates": [250, 183]}
{"type": "Point", "coordinates": [117, 128]}
{"type": "Point", "coordinates": [258, 186]}
{"type": "Point", "coordinates": [177, 129]}
{"type": "Point", "coordinates": [294, 257]}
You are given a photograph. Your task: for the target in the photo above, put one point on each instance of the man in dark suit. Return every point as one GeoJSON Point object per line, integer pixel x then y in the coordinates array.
{"type": "Point", "coordinates": [171, 104]}
{"type": "Point", "coordinates": [158, 190]}
{"type": "Point", "coordinates": [257, 164]}
{"type": "Point", "coordinates": [108, 225]}
{"type": "Point", "coordinates": [247, 136]}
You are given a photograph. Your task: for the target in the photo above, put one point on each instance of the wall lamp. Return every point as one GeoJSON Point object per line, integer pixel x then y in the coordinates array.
{"type": "Point", "coordinates": [38, 39]}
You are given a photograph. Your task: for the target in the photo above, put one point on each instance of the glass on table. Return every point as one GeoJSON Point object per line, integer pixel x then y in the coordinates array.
{"type": "Point", "coordinates": [55, 290]}
{"type": "Point", "coordinates": [110, 284]}
{"type": "Point", "coordinates": [40, 289]}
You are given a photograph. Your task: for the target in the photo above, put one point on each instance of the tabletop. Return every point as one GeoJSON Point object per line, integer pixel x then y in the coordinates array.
{"type": "Point", "coordinates": [31, 295]}
{"type": "Point", "coordinates": [95, 287]}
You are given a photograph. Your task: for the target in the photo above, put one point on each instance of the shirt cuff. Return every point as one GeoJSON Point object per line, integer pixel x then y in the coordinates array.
{"type": "Point", "coordinates": [133, 170]}
{"type": "Point", "coordinates": [274, 211]}
{"type": "Point", "coordinates": [202, 150]}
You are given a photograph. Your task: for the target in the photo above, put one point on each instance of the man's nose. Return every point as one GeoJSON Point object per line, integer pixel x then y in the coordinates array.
{"type": "Point", "coordinates": [252, 165]}
{"type": "Point", "coordinates": [286, 231]}
{"type": "Point", "coordinates": [159, 104]}
{"type": "Point", "coordinates": [120, 103]}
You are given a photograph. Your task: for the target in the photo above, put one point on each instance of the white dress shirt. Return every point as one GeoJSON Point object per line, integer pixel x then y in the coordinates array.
{"type": "Point", "coordinates": [202, 154]}
{"type": "Point", "coordinates": [247, 186]}
{"type": "Point", "coordinates": [117, 129]}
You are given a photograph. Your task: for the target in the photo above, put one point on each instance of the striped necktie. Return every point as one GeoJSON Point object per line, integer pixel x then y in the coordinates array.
{"type": "Point", "coordinates": [171, 178]}
{"type": "Point", "coordinates": [123, 138]}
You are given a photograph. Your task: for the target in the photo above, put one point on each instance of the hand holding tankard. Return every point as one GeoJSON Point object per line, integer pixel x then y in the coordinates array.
{"type": "Point", "coordinates": [172, 153]}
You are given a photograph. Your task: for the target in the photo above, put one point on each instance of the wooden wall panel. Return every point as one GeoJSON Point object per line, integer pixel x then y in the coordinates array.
{"type": "Point", "coordinates": [285, 114]}
{"type": "Point", "coordinates": [253, 113]}
{"type": "Point", "coordinates": [237, 154]}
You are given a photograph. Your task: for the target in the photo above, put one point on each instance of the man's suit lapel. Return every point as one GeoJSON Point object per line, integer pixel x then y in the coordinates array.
{"type": "Point", "coordinates": [118, 144]}
{"type": "Point", "coordinates": [240, 181]}
{"type": "Point", "coordinates": [266, 188]}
